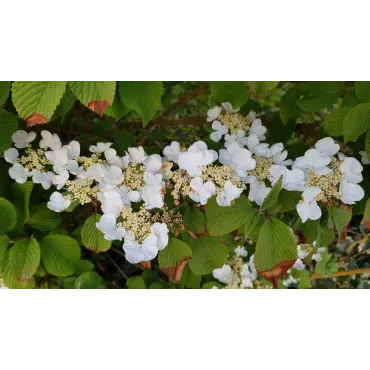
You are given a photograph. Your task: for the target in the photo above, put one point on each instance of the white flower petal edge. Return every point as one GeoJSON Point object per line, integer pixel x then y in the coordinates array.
{"type": "Point", "coordinates": [308, 208]}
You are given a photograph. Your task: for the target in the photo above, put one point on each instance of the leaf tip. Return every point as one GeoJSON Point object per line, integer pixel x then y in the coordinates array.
{"type": "Point", "coordinates": [36, 119]}
{"type": "Point", "coordinates": [98, 106]}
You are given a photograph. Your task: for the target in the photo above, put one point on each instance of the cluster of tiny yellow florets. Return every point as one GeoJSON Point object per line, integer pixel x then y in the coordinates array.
{"type": "Point", "coordinates": [34, 159]}
{"type": "Point", "coordinates": [81, 191]}
{"type": "Point", "coordinates": [86, 162]}
{"type": "Point", "coordinates": [137, 222]}
{"type": "Point", "coordinates": [262, 169]}
{"type": "Point", "coordinates": [219, 175]}
{"type": "Point", "coordinates": [2, 285]}
{"type": "Point", "coordinates": [329, 183]}
{"type": "Point", "coordinates": [235, 122]}
{"type": "Point", "coordinates": [134, 177]}
{"type": "Point", "coordinates": [171, 218]}
{"type": "Point", "coordinates": [180, 181]}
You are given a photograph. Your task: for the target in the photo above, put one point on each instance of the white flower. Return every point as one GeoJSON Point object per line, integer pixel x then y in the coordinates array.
{"type": "Point", "coordinates": [230, 193]}
{"type": "Point", "coordinates": [172, 151]}
{"type": "Point", "coordinates": [58, 157]}
{"type": "Point", "coordinates": [292, 179]}
{"type": "Point", "coordinates": [21, 138]}
{"type": "Point", "coordinates": [129, 196]}
{"type": "Point", "coordinates": [220, 130]}
{"type": "Point", "coordinates": [299, 265]}
{"type": "Point", "coordinates": [73, 167]}
{"type": "Point", "coordinates": [240, 157]}
{"type": "Point", "coordinates": [240, 251]}
{"type": "Point", "coordinates": [351, 169]}
{"type": "Point", "coordinates": [252, 116]}
{"type": "Point", "coordinates": [11, 155]}
{"type": "Point", "coordinates": [50, 140]}
{"type": "Point", "coordinates": [258, 129]}
{"type": "Point", "coordinates": [96, 172]}
{"type": "Point", "coordinates": [239, 138]}
{"type": "Point", "coordinates": [308, 208]}
{"type": "Point", "coordinates": [276, 171]}
{"type": "Point", "coordinates": [248, 274]}
{"type": "Point", "coordinates": [136, 253]}
{"type": "Point", "coordinates": [108, 226]}
{"type": "Point", "coordinates": [252, 141]}
{"type": "Point", "coordinates": [43, 178]}
{"type": "Point", "coordinates": [113, 159]}
{"type": "Point", "coordinates": [317, 256]}
{"type": "Point", "coordinates": [213, 113]}
{"type": "Point", "coordinates": [60, 179]}
{"type": "Point", "coordinates": [113, 176]}
{"type": "Point", "coordinates": [195, 158]}
{"type": "Point", "coordinates": [364, 158]}
{"type": "Point", "coordinates": [153, 163]}
{"type": "Point", "coordinates": [99, 147]}
{"type": "Point", "coordinates": [73, 149]}
{"type": "Point", "coordinates": [327, 145]}
{"type": "Point", "coordinates": [160, 230]}
{"type": "Point", "coordinates": [262, 150]}
{"type": "Point", "coordinates": [57, 203]}
{"type": "Point", "coordinates": [280, 158]}
{"type": "Point", "coordinates": [19, 173]}
{"type": "Point", "coordinates": [229, 108]}
{"type": "Point", "coordinates": [202, 192]}
{"type": "Point", "coordinates": [224, 274]}
{"type": "Point", "coordinates": [350, 192]}
{"type": "Point", "coordinates": [153, 179]}
{"type": "Point", "coordinates": [152, 192]}
{"type": "Point", "coordinates": [313, 159]}
{"type": "Point", "coordinates": [258, 192]}
{"type": "Point", "coordinates": [289, 281]}
{"type": "Point", "coordinates": [111, 201]}
{"type": "Point", "coordinates": [137, 155]}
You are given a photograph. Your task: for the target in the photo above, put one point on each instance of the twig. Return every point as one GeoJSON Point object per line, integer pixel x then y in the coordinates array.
{"type": "Point", "coordinates": [117, 266]}
{"type": "Point", "coordinates": [342, 273]}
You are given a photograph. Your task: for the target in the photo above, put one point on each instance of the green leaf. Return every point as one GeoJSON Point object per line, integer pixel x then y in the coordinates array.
{"type": "Point", "coordinates": [21, 198]}
{"type": "Point", "coordinates": [273, 195]}
{"type": "Point", "coordinates": [366, 217]}
{"type": "Point", "coordinates": [4, 92]}
{"type": "Point", "coordinates": [44, 219]}
{"type": "Point", "coordinates": [135, 282]}
{"type": "Point", "coordinates": [194, 220]}
{"type": "Point", "coordinates": [222, 220]}
{"type": "Point", "coordinates": [8, 274]}
{"type": "Point", "coordinates": [362, 89]}
{"type": "Point", "coordinates": [156, 285]}
{"type": "Point", "coordinates": [193, 281]}
{"type": "Point", "coordinates": [144, 97]}
{"type": "Point", "coordinates": [92, 238]}
{"type": "Point", "coordinates": [341, 217]}
{"type": "Point", "coordinates": [253, 220]}
{"type": "Point", "coordinates": [65, 104]}
{"type": "Point", "coordinates": [172, 259]}
{"type": "Point", "coordinates": [234, 92]}
{"type": "Point", "coordinates": [88, 280]}
{"type": "Point", "coordinates": [325, 236]}
{"type": "Point", "coordinates": [211, 284]}
{"type": "Point", "coordinates": [25, 258]}
{"type": "Point", "coordinates": [288, 200]}
{"type": "Point", "coordinates": [276, 250]}
{"type": "Point", "coordinates": [96, 95]}
{"type": "Point", "coordinates": [4, 242]}
{"type": "Point", "coordinates": [209, 253]}
{"type": "Point", "coordinates": [8, 125]}
{"type": "Point", "coordinates": [83, 266]}
{"type": "Point", "coordinates": [356, 122]}
{"type": "Point", "coordinates": [288, 108]}
{"type": "Point", "coordinates": [262, 87]}
{"type": "Point", "coordinates": [117, 110]}
{"type": "Point", "coordinates": [37, 97]}
{"type": "Point", "coordinates": [8, 216]}
{"type": "Point", "coordinates": [333, 123]}
{"type": "Point", "coordinates": [59, 254]}
{"type": "Point", "coordinates": [367, 144]}
{"type": "Point", "coordinates": [310, 230]}
{"type": "Point", "coordinates": [320, 267]}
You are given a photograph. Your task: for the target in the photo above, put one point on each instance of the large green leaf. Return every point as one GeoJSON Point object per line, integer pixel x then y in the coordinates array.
{"type": "Point", "coordinates": [333, 123]}
{"type": "Point", "coordinates": [136, 282]}
{"type": "Point", "coordinates": [261, 87]}
{"type": "Point", "coordinates": [8, 216]}
{"type": "Point", "coordinates": [21, 199]}
{"type": "Point", "coordinates": [59, 254]}
{"type": "Point", "coordinates": [96, 95]}
{"type": "Point", "coordinates": [223, 220]}
{"type": "Point", "coordinates": [92, 238]}
{"type": "Point", "coordinates": [367, 144]}
{"type": "Point", "coordinates": [288, 200]}
{"type": "Point", "coordinates": [209, 253]}
{"type": "Point", "coordinates": [288, 107]}
{"type": "Point", "coordinates": [356, 122]}
{"type": "Point", "coordinates": [65, 104]}
{"type": "Point", "coordinates": [234, 92]}
{"type": "Point", "coordinates": [117, 110]}
{"type": "Point", "coordinates": [254, 219]}
{"type": "Point", "coordinates": [25, 258]}
{"type": "Point", "coordinates": [36, 101]}
{"type": "Point", "coordinates": [194, 220]}
{"type": "Point", "coordinates": [4, 242]}
{"type": "Point", "coordinates": [362, 89]}
{"type": "Point", "coordinates": [8, 273]}
{"type": "Point", "coordinates": [172, 259]}
{"type": "Point", "coordinates": [42, 218]}
{"type": "Point", "coordinates": [144, 97]}
{"type": "Point", "coordinates": [4, 91]}
{"type": "Point", "coordinates": [273, 195]}
{"type": "Point", "coordinates": [341, 217]}
{"type": "Point", "coordinates": [88, 280]}
{"type": "Point", "coordinates": [8, 125]}
{"type": "Point", "coordinates": [276, 250]}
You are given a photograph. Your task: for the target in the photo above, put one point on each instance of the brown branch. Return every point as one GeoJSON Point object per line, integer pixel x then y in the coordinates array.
{"type": "Point", "coordinates": [117, 266]}
{"type": "Point", "coordinates": [342, 273]}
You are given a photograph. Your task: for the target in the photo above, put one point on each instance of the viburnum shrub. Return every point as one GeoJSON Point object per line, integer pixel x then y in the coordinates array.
{"type": "Point", "coordinates": [232, 209]}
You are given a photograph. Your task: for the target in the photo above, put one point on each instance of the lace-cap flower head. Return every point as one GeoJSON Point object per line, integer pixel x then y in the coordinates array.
{"type": "Point", "coordinates": [22, 138]}
{"type": "Point", "coordinates": [58, 203]}
{"type": "Point", "coordinates": [100, 147]}
{"type": "Point", "coordinates": [108, 225]}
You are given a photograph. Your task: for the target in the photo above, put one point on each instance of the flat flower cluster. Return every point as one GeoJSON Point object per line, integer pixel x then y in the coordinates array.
{"type": "Point", "coordinates": [130, 190]}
